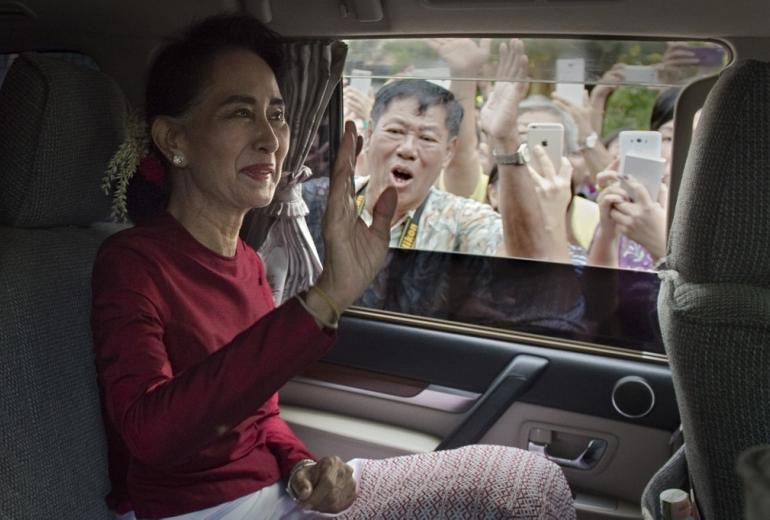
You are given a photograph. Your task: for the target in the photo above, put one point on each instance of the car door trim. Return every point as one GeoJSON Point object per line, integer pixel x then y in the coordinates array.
{"type": "Point", "coordinates": [492, 333]}
{"type": "Point", "coordinates": [436, 397]}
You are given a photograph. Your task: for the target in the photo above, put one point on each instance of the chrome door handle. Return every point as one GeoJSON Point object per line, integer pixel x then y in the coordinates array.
{"type": "Point", "coordinates": [585, 461]}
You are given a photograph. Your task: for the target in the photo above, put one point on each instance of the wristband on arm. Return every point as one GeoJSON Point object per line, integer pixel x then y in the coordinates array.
{"type": "Point", "coordinates": [298, 466]}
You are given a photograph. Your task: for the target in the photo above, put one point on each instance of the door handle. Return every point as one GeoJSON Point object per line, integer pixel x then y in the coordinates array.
{"type": "Point", "coordinates": [509, 385]}
{"type": "Point", "coordinates": [585, 461]}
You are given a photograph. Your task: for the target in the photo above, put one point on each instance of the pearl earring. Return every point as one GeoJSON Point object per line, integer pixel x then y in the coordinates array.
{"type": "Point", "coordinates": [178, 160]}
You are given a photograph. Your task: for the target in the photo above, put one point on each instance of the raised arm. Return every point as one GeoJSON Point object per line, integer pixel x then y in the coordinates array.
{"type": "Point", "coordinates": [532, 203]}
{"type": "Point", "coordinates": [165, 416]}
{"type": "Point", "coordinates": [465, 58]}
{"type": "Point", "coordinates": [596, 156]}
{"type": "Point", "coordinates": [162, 416]}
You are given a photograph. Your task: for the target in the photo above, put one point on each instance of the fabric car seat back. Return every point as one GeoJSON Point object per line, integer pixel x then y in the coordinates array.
{"type": "Point", "coordinates": [59, 126]}
{"type": "Point", "coordinates": [714, 302]}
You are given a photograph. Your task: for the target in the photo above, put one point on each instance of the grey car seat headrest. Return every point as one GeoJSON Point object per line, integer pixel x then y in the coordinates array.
{"type": "Point", "coordinates": [59, 126]}
{"type": "Point", "coordinates": [725, 208]}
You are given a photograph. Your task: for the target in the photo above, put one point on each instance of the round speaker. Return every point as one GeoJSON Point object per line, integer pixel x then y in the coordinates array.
{"type": "Point", "coordinates": [633, 397]}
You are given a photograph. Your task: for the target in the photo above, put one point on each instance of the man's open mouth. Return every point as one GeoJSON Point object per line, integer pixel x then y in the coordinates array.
{"type": "Point", "coordinates": [401, 176]}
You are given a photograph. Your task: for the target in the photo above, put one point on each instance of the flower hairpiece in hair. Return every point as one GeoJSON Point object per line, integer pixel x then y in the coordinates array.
{"type": "Point", "coordinates": [123, 164]}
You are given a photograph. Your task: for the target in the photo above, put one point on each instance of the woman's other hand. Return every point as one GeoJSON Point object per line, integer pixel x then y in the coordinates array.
{"type": "Point", "coordinates": [326, 487]}
{"type": "Point", "coordinates": [355, 252]}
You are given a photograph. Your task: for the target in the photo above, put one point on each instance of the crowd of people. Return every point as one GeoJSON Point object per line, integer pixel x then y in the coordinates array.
{"type": "Point", "coordinates": [190, 346]}
{"type": "Point", "coordinates": [447, 152]}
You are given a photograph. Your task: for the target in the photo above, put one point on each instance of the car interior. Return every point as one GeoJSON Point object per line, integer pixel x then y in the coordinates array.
{"type": "Point", "coordinates": [654, 380]}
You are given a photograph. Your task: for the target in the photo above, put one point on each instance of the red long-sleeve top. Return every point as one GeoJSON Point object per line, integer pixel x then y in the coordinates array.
{"type": "Point", "coordinates": [190, 352]}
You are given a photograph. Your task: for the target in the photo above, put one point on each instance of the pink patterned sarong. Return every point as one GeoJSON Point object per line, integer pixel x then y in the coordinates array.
{"type": "Point", "coordinates": [474, 482]}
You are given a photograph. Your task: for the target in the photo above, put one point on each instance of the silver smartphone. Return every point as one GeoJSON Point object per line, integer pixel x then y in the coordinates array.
{"type": "Point", "coordinates": [551, 137]}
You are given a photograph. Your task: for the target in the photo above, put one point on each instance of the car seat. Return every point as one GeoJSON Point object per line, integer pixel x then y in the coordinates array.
{"type": "Point", "coordinates": [714, 302]}
{"type": "Point", "coordinates": [59, 126]}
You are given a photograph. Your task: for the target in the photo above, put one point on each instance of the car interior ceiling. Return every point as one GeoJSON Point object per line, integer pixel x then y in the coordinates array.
{"type": "Point", "coordinates": [120, 36]}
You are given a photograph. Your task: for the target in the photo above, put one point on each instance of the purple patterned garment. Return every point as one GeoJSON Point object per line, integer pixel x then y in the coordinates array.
{"type": "Point", "coordinates": [632, 255]}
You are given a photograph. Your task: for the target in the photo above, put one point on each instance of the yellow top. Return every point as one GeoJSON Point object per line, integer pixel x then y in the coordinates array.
{"type": "Point", "coordinates": [479, 192]}
{"type": "Point", "coordinates": [585, 218]}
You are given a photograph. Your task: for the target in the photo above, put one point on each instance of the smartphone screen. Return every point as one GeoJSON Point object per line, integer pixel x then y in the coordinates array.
{"type": "Point", "coordinates": [551, 137]}
{"type": "Point", "coordinates": [640, 142]}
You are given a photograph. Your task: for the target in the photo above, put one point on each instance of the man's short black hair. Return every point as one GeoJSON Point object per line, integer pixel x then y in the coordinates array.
{"type": "Point", "coordinates": [426, 94]}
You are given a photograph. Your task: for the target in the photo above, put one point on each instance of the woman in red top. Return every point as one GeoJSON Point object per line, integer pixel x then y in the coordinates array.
{"type": "Point", "coordinates": [190, 351]}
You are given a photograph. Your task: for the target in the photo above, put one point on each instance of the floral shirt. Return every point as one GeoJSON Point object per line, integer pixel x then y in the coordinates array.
{"type": "Point", "coordinates": [448, 222]}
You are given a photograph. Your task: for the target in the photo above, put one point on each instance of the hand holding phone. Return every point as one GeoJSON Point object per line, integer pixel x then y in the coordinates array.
{"type": "Point", "coordinates": [648, 171]}
{"type": "Point", "coordinates": [709, 56]}
{"type": "Point", "coordinates": [551, 137]}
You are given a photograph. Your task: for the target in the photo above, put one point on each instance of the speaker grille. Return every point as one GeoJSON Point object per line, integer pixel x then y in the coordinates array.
{"type": "Point", "coordinates": [633, 397]}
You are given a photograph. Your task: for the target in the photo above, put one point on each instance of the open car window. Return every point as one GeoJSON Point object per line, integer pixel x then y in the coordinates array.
{"type": "Point", "coordinates": [604, 90]}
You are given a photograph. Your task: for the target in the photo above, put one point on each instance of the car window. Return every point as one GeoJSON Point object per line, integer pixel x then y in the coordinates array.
{"type": "Point", "coordinates": [610, 104]}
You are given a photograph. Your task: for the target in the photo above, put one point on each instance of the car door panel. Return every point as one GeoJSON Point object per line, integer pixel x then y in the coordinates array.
{"type": "Point", "coordinates": [411, 388]}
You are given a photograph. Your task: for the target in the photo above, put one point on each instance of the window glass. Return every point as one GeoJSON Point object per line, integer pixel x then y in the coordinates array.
{"type": "Point", "coordinates": [567, 250]}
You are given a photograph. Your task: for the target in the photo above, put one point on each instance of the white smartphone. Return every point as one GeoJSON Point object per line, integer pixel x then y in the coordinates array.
{"type": "Point", "coordinates": [640, 74]}
{"type": "Point", "coordinates": [648, 171]}
{"type": "Point", "coordinates": [361, 80]}
{"type": "Point", "coordinates": [551, 137]}
{"type": "Point", "coordinates": [639, 142]}
{"type": "Point", "coordinates": [570, 78]}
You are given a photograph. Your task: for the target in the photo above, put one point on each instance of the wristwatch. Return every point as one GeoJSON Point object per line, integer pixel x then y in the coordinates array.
{"type": "Point", "coordinates": [519, 158]}
{"type": "Point", "coordinates": [591, 141]}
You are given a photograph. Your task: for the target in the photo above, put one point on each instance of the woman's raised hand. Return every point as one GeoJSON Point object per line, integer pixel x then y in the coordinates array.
{"type": "Point", "coordinates": [355, 252]}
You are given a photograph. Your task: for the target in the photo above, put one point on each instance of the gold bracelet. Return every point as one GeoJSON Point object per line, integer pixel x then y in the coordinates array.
{"type": "Point", "coordinates": [336, 314]}
{"type": "Point", "coordinates": [323, 323]}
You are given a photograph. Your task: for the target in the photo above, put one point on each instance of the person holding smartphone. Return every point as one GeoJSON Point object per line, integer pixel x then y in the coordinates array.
{"type": "Point", "coordinates": [632, 224]}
